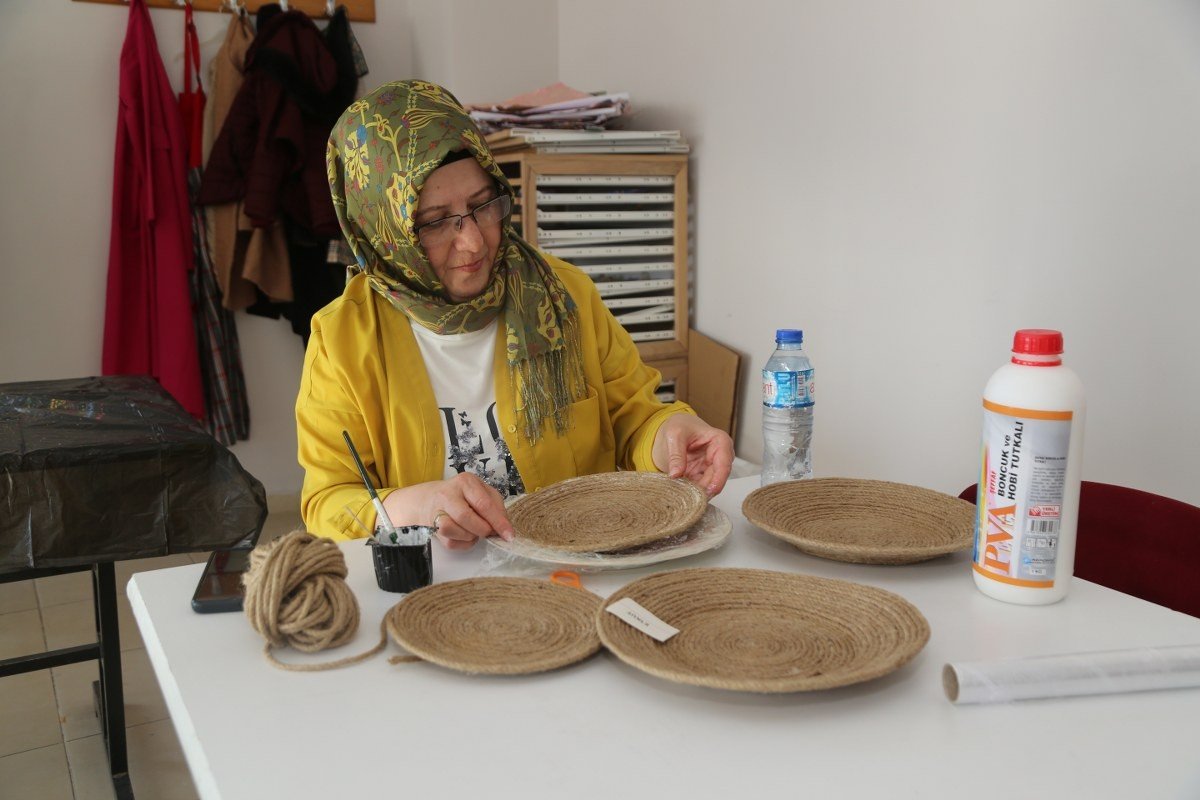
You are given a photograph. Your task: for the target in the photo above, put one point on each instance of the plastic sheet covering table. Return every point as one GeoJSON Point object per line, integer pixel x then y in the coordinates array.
{"type": "Point", "coordinates": [107, 469]}
{"type": "Point", "coordinates": [97, 470]}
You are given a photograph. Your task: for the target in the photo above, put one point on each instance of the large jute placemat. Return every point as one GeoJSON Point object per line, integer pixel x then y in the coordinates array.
{"type": "Point", "coordinates": [497, 626]}
{"type": "Point", "coordinates": [762, 631]}
{"type": "Point", "coordinates": [608, 511]}
{"type": "Point", "coordinates": [863, 521]}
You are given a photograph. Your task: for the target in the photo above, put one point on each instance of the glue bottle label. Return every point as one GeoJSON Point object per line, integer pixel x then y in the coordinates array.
{"type": "Point", "coordinates": [1021, 489]}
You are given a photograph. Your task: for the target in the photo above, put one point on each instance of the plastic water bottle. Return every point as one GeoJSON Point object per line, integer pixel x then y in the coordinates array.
{"type": "Point", "coordinates": [787, 383]}
{"type": "Point", "coordinates": [1028, 502]}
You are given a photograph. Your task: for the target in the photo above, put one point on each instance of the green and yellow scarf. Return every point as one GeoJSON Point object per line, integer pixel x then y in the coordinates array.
{"type": "Point", "coordinates": [380, 153]}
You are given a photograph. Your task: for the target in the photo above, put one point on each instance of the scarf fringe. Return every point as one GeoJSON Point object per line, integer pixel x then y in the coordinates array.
{"type": "Point", "coordinates": [549, 384]}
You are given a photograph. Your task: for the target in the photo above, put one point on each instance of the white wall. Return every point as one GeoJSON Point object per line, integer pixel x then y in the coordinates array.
{"type": "Point", "coordinates": [483, 50]}
{"type": "Point", "coordinates": [910, 183]}
{"type": "Point", "coordinates": [58, 101]}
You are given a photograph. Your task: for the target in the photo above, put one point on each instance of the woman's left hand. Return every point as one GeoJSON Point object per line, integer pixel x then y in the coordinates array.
{"type": "Point", "coordinates": [688, 447]}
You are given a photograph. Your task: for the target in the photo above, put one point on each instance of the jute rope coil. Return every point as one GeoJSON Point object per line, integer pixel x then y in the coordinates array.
{"type": "Point", "coordinates": [863, 521]}
{"type": "Point", "coordinates": [608, 511]}
{"type": "Point", "coordinates": [296, 594]}
{"type": "Point", "coordinates": [763, 631]}
{"type": "Point", "coordinates": [499, 626]}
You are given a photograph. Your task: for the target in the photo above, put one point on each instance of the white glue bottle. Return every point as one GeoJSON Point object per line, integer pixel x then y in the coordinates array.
{"type": "Point", "coordinates": [1028, 498]}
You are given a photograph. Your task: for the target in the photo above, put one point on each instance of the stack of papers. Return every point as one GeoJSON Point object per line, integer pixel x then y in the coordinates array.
{"type": "Point", "coordinates": [556, 106]}
{"type": "Point", "coordinates": [582, 141]}
{"type": "Point", "coordinates": [559, 119]}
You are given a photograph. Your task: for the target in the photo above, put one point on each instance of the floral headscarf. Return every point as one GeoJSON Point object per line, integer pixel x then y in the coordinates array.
{"type": "Point", "coordinates": [380, 153]}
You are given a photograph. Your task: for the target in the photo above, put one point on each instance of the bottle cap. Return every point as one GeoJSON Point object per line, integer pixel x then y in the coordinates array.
{"type": "Point", "coordinates": [1038, 342]}
{"type": "Point", "coordinates": [789, 336]}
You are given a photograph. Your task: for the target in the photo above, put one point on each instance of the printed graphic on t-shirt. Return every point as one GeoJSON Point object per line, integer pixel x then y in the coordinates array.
{"type": "Point", "coordinates": [482, 453]}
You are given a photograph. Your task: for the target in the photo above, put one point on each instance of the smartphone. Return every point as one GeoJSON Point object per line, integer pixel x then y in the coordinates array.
{"type": "Point", "coordinates": [220, 587]}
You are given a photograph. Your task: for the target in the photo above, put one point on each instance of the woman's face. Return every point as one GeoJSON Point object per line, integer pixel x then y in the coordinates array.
{"type": "Point", "coordinates": [462, 261]}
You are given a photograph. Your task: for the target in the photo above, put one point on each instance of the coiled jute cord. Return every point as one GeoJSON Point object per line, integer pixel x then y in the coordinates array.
{"type": "Point", "coordinates": [296, 594]}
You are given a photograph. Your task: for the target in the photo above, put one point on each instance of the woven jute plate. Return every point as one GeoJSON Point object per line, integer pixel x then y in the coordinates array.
{"type": "Point", "coordinates": [762, 631]}
{"type": "Point", "coordinates": [497, 626]}
{"type": "Point", "coordinates": [863, 521]}
{"type": "Point", "coordinates": [608, 511]}
{"type": "Point", "coordinates": [709, 533]}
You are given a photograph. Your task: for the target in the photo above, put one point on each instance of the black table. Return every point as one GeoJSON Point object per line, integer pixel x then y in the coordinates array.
{"type": "Point", "coordinates": [97, 470]}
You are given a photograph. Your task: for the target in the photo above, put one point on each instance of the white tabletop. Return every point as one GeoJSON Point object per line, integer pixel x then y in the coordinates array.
{"type": "Point", "coordinates": [604, 729]}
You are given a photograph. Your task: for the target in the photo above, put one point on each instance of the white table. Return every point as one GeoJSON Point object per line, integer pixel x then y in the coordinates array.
{"type": "Point", "coordinates": [604, 729]}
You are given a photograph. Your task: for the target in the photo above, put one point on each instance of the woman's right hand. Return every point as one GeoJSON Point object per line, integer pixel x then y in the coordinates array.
{"type": "Point", "coordinates": [464, 510]}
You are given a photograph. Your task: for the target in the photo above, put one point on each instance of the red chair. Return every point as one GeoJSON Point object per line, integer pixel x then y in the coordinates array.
{"type": "Point", "coordinates": [1138, 543]}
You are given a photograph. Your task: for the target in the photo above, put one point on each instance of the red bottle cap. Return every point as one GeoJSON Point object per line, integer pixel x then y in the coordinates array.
{"type": "Point", "coordinates": [1037, 347]}
{"type": "Point", "coordinates": [1038, 342]}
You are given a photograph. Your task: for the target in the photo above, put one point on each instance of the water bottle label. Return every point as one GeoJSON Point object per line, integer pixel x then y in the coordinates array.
{"type": "Point", "coordinates": [1020, 501]}
{"type": "Point", "coordinates": [787, 389]}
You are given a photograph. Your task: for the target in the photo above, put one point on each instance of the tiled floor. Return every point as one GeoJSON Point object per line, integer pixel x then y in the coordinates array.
{"type": "Point", "coordinates": [50, 742]}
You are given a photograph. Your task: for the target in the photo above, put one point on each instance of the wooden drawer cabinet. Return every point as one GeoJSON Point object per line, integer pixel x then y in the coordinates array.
{"type": "Point", "coordinates": [623, 220]}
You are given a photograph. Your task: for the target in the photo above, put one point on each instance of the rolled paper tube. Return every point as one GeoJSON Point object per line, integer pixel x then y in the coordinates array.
{"type": "Point", "coordinates": [1107, 672]}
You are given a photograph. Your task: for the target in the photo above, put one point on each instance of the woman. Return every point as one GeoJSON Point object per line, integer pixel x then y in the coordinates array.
{"type": "Point", "coordinates": [465, 365]}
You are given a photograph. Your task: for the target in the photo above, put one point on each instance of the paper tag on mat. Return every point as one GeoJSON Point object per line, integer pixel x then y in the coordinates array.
{"type": "Point", "coordinates": [630, 612]}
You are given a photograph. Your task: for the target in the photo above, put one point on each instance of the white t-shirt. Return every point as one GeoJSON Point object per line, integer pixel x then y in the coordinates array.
{"type": "Point", "coordinates": [460, 367]}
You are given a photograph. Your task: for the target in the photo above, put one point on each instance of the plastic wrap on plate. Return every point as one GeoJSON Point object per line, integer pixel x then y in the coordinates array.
{"type": "Point", "coordinates": [522, 558]}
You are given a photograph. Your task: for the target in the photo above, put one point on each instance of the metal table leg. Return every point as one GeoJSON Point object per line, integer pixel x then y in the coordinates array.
{"type": "Point", "coordinates": [111, 694]}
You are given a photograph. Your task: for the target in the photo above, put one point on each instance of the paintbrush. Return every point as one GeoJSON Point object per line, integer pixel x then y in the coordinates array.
{"type": "Point", "coordinates": [379, 509]}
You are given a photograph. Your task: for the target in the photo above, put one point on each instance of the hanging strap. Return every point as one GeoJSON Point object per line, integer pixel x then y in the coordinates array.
{"type": "Point", "coordinates": [191, 50]}
{"type": "Point", "coordinates": [191, 99]}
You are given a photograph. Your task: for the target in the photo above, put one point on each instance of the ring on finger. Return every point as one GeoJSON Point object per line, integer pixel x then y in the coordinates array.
{"type": "Point", "coordinates": [437, 517]}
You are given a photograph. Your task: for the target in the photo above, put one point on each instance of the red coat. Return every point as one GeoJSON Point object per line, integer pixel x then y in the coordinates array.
{"type": "Point", "coordinates": [148, 327]}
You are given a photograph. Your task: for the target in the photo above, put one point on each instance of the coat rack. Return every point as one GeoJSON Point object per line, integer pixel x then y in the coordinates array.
{"type": "Point", "coordinates": [358, 10]}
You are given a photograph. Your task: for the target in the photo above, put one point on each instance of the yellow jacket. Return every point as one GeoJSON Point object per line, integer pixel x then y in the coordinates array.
{"type": "Point", "coordinates": [363, 373]}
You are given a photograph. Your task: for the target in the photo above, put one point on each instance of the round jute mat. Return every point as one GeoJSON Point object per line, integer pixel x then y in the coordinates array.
{"type": "Point", "coordinates": [497, 626]}
{"type": "Point", "coordinates": [863, 521]}
{"type": "Point", "coordinates": [757, 630]}
{"type": "Point", "coordinates": [709, 533]}
{"type": "Point", "coordinates": [607, 511]}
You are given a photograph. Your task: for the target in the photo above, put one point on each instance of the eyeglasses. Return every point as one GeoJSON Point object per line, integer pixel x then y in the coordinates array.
{"type": "Point", "coordinates": [440, 231]}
